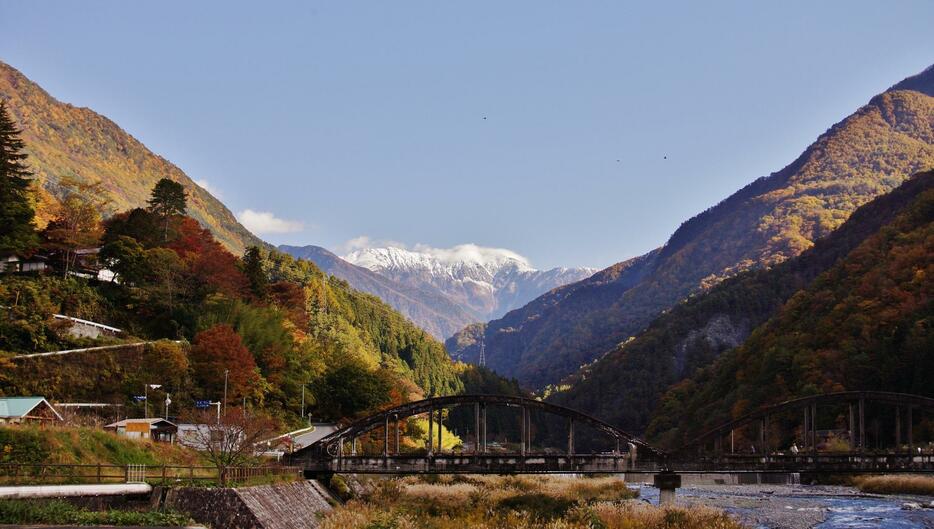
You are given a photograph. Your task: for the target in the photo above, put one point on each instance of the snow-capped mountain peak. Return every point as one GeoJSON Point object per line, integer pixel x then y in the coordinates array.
{"type": "Point", "coordinates": [487, 281]}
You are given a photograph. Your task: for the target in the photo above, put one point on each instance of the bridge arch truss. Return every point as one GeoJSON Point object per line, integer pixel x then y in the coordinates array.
{"type": "Point", "coordinates": [331, 451]}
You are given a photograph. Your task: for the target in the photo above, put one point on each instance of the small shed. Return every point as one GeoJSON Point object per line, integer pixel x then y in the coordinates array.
{"type": "Point", "coordinates": [156, 429]}
{"type": "Point", "coordinates": [15, 410]}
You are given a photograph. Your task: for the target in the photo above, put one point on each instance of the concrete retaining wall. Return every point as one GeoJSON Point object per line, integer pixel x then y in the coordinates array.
{"type": "Point", "coordinates": [286, 506]}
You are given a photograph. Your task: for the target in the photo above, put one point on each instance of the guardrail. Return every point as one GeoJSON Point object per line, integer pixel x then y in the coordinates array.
{"type": "Point", "coordinates": [37, 474]}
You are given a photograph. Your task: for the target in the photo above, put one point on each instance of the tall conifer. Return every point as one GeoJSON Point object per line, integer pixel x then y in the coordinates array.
{"type": "Point", "coordinates": [17, 216]}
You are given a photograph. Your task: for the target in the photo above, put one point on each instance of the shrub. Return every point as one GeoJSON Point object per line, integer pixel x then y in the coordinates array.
{"type": "Point", "coordinates": [61, 512]}
{"type": "Point", "coordinates": [538, 504]}
{"type": "Point", "coordinates": [896, 484]}
{"type": "Point", "coordinates": [339, 486]}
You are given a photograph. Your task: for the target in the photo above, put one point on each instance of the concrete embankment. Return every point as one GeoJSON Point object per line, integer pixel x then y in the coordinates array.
{"type": "Point", "coordinates": [63, 491]}
{"type": "Point", "coordinates": [296, 505]}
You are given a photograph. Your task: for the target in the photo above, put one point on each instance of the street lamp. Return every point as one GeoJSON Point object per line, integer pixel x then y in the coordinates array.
{"type": "Point", "coordinates": [226, 373]}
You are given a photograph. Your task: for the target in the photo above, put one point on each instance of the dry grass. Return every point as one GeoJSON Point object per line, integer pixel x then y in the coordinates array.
{"type": "Point", "coordinates": [515, 502]}
{"type": "Point", "coordinates": [896, 484]}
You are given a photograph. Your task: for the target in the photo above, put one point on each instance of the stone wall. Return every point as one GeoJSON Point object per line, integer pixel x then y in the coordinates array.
{"type": "Point", "coordinates": [296, 505]}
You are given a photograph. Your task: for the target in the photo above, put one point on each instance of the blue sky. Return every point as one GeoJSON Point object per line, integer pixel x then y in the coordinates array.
{"type": "Point", "coordinates": [537, 126]}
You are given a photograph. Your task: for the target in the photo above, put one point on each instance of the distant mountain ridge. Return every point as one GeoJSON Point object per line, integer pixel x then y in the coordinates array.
{"type": "Point", "coordinates": [67, 141]}
{"type": "Point", "coordinates": [864, 323]}
{"type": "Point", "coordinates": [429, 309]}
{"type": "Point", "coordinates": [625, 385]}
{"type": "Point", "coordinates": [487, 282]}
{"type": "Point", "coordinates": [442, 291]}
{"type": "Point", "coordinates": [769, 221]}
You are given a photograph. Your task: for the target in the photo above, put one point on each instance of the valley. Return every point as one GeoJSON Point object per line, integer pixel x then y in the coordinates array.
{"type": "Point", "coordinates": [364, 302]}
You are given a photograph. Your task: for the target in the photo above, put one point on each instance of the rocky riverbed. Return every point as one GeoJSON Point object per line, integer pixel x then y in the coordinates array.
{"type": "Point", "coordinates": [808, 506]}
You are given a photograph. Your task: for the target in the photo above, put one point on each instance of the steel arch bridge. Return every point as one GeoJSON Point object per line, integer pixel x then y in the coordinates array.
{"type": "Point", "coordinates": [338, 451]}
{"type": "Point", "coordinates": [708, 451]}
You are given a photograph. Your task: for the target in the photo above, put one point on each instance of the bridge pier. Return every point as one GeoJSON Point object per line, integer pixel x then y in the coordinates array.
{"type": "Point", "coordinates": [476, 430]}
{"type": "Point", "coordinates": [570, 436]}
{"type": "Point", "coordinates": [431, 430]}
{"type": "Point", "coordinates": [862, 425]}
{"type": "Point", "coordinates": [396, 422]}
{"type": "Point", "coordinates": [522, 432]}
{"type": "Point", "coordinates": [898, 428]}
{"type": "Point", "coordinates": [440, 418]}
{"type": "Point", "coordinates": [667, 483]}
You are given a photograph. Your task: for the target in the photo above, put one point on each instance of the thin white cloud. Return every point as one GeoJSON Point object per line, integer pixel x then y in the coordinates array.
{"type": "Point", "coordinates": [364, 242]}
{"type": "Point", "coordinates": [204, 184]}
{"type": "Point", "coordinates": [472, 253]}
{"type": "Point", "coordinates": [264, 222]}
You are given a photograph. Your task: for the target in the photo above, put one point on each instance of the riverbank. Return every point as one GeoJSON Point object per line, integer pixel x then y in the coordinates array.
{"type": "Point", "coordinates": [517, 502]}
{"type": "Point", "coordinates": [806, 506]}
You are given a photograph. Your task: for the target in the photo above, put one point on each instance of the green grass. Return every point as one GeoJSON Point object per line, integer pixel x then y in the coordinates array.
{"type": "Point", "coordinates": [87, 446]}
{"type": "Point", "coordinates": [60, 512]}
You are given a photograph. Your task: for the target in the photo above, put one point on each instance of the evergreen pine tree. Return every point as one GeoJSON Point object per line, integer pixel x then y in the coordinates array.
{"type": "Point", "coordinates": [17, 216]}
{"type": "Point", "coordinates": [254, 270]}
{"type": "Point", "coordinates": [167, 200]}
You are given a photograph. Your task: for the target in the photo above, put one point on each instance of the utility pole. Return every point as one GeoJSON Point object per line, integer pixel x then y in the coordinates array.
{"type": "Point", "coordinates": [303, 402]}
{"type": "Point", "coordinates": [167, 402]}
{"type": "Point", "coordinates": [226, 373]}
{"type": "Point", "coordinates": [146, 398]}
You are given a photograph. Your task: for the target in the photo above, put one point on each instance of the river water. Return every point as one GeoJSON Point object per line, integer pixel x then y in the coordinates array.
{"type": "Point", "coordinates": [803, 506]}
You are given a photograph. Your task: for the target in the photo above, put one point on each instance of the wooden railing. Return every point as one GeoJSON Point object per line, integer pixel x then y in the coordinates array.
{"type": "Point", "coordinates": [41, 474]}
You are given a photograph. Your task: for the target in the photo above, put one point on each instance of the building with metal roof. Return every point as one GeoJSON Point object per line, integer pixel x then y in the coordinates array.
{"type": "Point", "coordinates": [154, 428]}
{"type": "Point", "coordinates": [27, 409]}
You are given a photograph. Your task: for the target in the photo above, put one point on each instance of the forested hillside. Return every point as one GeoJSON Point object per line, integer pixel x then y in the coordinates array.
{"type": "Point", "coordinates": [769, 221]}
{"type": "Point", "coordinates": [428, 308]}
{"type": "Point", "coordinates": [255, 328]}
{"type": "Point", "coordinates": [867, 323]}
{"type": "Point", "coordinates": [626, 384]}
{"type": "Point", "coordinates": [68, 142]}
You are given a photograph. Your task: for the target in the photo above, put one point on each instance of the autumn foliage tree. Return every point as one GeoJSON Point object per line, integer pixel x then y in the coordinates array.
{"type": "Point", "coordinates": [77, 223]}
{"type": "Point", "coordinates": [210, 267]}
{"type": "Point", "coordinates": [220, 349]}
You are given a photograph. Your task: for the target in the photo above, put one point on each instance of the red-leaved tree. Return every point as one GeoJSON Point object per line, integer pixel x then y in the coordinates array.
{"type": "Point", "coordinates": [211, 267]}
{"type": "Point", "coordinates": [220, 349]}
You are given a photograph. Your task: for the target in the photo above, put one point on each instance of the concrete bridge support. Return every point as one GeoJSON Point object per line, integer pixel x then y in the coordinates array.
{"type": "Point", "coordinates": [667, 483]}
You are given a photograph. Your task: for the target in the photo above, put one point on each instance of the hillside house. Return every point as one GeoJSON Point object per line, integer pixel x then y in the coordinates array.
{"type": "Point", "coordinates": [156, 429]}
{"type": "Point", "coordinates": [18, 410]}
{"type": "Point", "coordinates": [12, 263]}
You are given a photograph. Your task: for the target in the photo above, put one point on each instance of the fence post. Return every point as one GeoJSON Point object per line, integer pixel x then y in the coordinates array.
{"type": "Point", "coordinates": [99, 476]}
{"type": "Point", "coordinates": [163, 474]}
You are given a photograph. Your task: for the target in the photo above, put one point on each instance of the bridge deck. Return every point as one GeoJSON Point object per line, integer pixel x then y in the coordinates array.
{"type": "Point", "coordinates": [481, 464]}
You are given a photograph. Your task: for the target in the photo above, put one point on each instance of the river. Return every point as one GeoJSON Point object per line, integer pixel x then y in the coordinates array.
{"type": "Point", "coordinates": [806, 506]}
